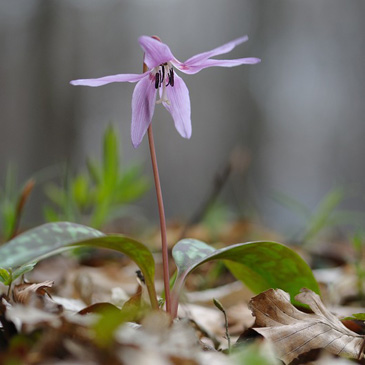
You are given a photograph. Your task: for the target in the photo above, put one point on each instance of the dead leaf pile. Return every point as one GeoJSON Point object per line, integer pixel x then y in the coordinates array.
{"type": "Point", "coordinates": [33, 332]}
{"type": "Point", "coordinates": [294, 332]}
{"type": "Point", "coordinates": [158, 342]}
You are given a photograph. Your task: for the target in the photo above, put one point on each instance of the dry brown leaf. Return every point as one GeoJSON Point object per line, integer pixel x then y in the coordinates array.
{"type": "Point", "coordinates": [95, 284]}
{"type": "Point", "coordinates": [27, 318]}
{"type": "Point", "coordinates": [36, 295]}
{"type": "Point", "coordinates": [158, 341]}
{"type": "Point", "coordinates": [294, 332]}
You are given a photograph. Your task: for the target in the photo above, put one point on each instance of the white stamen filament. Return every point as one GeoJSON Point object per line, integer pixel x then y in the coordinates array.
{"type": "Point", "coordinates": [163, 98]}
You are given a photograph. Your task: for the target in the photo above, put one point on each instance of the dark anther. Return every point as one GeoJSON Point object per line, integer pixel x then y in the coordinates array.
{"type": "Point", "coordinates": [140, 276]}
{"type": "Point", "coordinates": [172, 77]}
{"type": "Point", "coordinates": [157, 80]}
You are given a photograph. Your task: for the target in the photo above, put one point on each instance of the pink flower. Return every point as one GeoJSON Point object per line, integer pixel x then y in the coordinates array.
{"type": "Point", "coordinates": [173, 93]}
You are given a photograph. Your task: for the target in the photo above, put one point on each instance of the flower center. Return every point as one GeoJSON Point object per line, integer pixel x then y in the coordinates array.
{"type": "Point", "coordinates": [163, 76]}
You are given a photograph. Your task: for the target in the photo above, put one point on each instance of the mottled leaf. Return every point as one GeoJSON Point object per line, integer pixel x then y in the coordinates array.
{"type": "Point", "coordinates": [41, 240]}
{"type": "Point", "coordinates": [260, 265]}
{"type": "Point", "coordinates": [136, 251]}
{"type": "Point", "coordinates": [52, 238]}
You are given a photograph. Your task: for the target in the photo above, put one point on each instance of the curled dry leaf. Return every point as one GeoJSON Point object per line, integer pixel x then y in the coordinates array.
{"type": "Point", "coordinates": [294, 332]}
{"type": "Point", "coordinates": [36, 295]}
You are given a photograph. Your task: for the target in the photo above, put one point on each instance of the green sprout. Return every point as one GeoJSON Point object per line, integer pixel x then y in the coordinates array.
{"type": "Point", "coordinates": [358, 245]}
{"type": "Point", "coordinates": [326, 214]}
{"type": "Point", "coordinates": [99, 194]}
{"type": "Point", "coordinates": [12, 202]}
{"type": "Point", "coordinates": [7, 276]}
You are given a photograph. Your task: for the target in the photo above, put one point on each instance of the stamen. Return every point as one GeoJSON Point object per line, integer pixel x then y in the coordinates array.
{"type": "Point", "coordinates": [157, 80]}
{"type": "Point", "coordinates": [171, 77]}
{"type": "Point", "coordinates": [161, 78]}
{"type": "Point", "coordinates": [163, 73]}
{"type": "Point", "coordinates": [164, 77]}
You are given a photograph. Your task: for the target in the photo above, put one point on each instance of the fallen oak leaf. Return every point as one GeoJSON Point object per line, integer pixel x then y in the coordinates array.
{"type": "Point", "coordinates": [294, 332]}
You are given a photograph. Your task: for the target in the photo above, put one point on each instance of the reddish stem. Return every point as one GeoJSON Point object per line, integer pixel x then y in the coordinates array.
{"type": "Point", "coordinates": [24, 196]}
{"type": "Point", "coordinates": [161, 212]}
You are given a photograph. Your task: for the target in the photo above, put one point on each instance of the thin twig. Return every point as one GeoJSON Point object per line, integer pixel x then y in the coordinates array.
{"type": "Point", "coordinates": [239, 160]}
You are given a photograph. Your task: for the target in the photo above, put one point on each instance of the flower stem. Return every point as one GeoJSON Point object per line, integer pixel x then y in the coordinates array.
{"type": "Point", "coordinates": [161, 212]}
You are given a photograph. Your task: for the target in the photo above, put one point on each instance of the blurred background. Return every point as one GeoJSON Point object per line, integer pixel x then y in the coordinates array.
{"type": "Point", "coordinates": [294, 124]}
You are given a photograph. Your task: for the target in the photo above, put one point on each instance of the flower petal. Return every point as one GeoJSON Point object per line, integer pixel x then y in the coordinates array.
{"type": "Point", "coordinates": [225, 48]}
{"type": "Point", "coordinates": [217, 63]}
{"type": "Point", "coordinates": [108, 79]}
{"type": "Point", "coordinates": [143, 106]}
{"type": "Point", "coordinates": [156, 52]}
{"type": "Point", "coordinates": [179, 106]}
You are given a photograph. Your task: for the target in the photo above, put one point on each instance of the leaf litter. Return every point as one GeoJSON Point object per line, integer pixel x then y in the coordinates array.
{"type": "Point", "coordinates": [69, 337]}
{"type": "Point", "coordinates": [58, 332]}
{"type": "Point", "coordinates": [294, 332]}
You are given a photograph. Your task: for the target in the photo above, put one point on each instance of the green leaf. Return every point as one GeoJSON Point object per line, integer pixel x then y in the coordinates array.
{"type": "Point", "coordinates": [5, 276]}
{"type": "Point", "coordinates": [136, 251]}
{"type": "Point", "coordinates": [110, 158]}
{"type": "Point", "coordinates": [132, 185]}
{"type": "Point", "coordinates": [108, 322]}
{"type": "Point", "coordinates": [357, 317]}
{"type": "Point", "coordinates": [326, 207]}
{"type": "Point", "coordinates": [100, 213]}
{"type": "Point", "coordinates": [55, 194]}
{"type": "Point", "coordinates": [259, 265]}
{"type": "Point", "coordinates": [23, 270]}
{"type": "Point", "coordinates": [293, 205]}
{"type": "Point", "coordinates": [94, 171]}
{"type": "Point", "coordinates": [357, 242]}
{"type": "Point", "coordinates": [8, 211]}
{"type": "Point", "coordinates": [50, 214]}
{"type": "Point", "coordinates": [80, 190]}
{"type": "Point", "coordinates": [52, 238]}
{"type": "Point", "coordinates": [41, 240]}
{"type": "Point", "coordinates": [253, 354]}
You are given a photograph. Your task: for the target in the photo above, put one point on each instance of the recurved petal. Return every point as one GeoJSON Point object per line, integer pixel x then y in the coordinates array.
{"type": "Point", "coordinates": [179, 106]}
{"type": "Point", "coordinates": [143, 106]}
{"type": "Point", "coordinates": [193, 69]}
{"type": "Point", "coordinates": [225, 48]}
{"type": "Point", "coordinates": [156, 52]}
{"type": "Point", "coordinates": [109, 79]}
